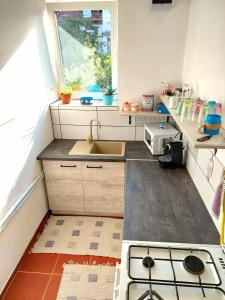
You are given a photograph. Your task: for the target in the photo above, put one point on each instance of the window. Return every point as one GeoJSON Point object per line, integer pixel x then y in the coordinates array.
{"type": "Point", "coordinates": [85, 47]}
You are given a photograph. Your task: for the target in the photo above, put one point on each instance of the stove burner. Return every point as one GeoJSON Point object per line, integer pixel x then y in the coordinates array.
{"type": "Point", "coordinates": [193, 265]}
{"type": "Point", "coordinates": [148, 262]}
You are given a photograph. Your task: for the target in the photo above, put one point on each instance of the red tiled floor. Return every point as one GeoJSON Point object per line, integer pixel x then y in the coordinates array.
{"type": "Point", "coordinates": [42, 263]}
{"type": "Point", "coordinates": [38, 233]}
{"type": "Point", "coordinates": [101, 260]}
{"type": "Point", "coordinates": [69, 258]}
{"type": "Point", "coordinates": [53, 287]}
{"type": "Point", "coordinates": [27, 286]}
{"type": "Point", "coordinates": [39, 275]}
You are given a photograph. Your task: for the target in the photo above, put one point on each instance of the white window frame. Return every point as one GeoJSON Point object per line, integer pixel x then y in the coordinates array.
{"type": "Point", "coordinates": [52, 7]}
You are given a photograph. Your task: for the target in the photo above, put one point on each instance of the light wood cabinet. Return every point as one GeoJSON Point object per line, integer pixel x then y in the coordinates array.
{"type": "Point", "coordinates": [103, 184]}
{"type": "Point", "coordinates": [64, 186]}
{"type": "Point", "coordinates": [91, 188]}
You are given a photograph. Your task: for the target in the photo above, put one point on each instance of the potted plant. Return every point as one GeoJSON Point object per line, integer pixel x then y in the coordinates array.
{"type": "Point", "coordinates": [108, 95]}
{"type": "Point", "coordinates": [65, 94]}
{"type": "Point", "coordinates": [76, 84]}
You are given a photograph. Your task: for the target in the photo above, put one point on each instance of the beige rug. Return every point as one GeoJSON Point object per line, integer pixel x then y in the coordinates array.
{"type": "Point", "coordinates": [81, 236]}
{"type": "Point", "coordinates": [86, 282]}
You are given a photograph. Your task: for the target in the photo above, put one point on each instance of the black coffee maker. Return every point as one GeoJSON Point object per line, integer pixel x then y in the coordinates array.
{"type": "Point", "coordinates": [173, 155]}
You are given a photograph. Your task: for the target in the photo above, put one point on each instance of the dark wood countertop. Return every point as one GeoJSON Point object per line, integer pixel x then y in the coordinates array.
{"type": "Point", "coordinates": [59, 149]}
{"type": "Point", "coordinates": [163, 205]}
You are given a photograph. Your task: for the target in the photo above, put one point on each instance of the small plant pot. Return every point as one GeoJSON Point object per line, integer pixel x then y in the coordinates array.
{"type": "Point", "coordinates": [65, 98]}
{"type": "Point", "coordinates": [108, 99]}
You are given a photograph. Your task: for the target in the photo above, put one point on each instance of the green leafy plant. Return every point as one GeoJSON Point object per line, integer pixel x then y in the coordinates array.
{"type": "Point", "coordinates": [109, 91]}
{"type": "Point", "coordinates": [67, 90]}
{"type": "Point", "coordinates": [86, 33]}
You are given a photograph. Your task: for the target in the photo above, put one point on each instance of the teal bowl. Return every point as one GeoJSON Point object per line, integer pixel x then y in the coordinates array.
{"type": "Point", "coordinates": [108, 99]}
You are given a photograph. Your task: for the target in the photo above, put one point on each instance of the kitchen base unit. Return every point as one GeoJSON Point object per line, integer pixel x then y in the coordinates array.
{"type": "Point", "coordinates": [85, 188]}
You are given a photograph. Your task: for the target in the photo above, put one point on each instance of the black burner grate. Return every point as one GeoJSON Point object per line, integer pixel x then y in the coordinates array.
{"type": "Point", "coordinates": [171, 261]}
{"type": "Point", "coordinates": [174, 282]}
{"type": "Point", "coordinates": [177, 288]}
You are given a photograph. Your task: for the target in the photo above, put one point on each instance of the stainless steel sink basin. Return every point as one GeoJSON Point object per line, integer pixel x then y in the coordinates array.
{"type": "Point", "coordinates": [98, 148]}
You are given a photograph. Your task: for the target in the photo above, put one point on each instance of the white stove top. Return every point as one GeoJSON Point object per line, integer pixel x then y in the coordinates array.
{"type": "Point", "coordinates": [169, 278]}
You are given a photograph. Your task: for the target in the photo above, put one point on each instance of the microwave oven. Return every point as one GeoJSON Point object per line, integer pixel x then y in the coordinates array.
{"type": "Point", "coordinates": [157, 138]}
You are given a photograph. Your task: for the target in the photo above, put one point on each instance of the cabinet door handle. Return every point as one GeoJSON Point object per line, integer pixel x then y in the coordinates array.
{"type": "Point", "coordinates": [94, 167]}
{"type": "Point", "coordinates": [69, 166]}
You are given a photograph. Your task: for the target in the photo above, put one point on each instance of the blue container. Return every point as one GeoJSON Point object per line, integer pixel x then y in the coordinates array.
{"type": "Point", "coordinates": [86, 100]}
{"type": "Point", "coordinates": [212, 124]}
{"type": "Point", "coordinates": [108, 99]}
{"type": "Point", "coordinates": [94, 88]}
{"type": "Point", "coordinates": [161, 108]}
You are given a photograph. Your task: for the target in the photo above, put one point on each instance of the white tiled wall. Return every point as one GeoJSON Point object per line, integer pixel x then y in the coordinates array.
{"type": "Point", "coordinates": [72, 121]}
{"type": "Point", "coordinates": [197, 162]}
{"type": "Point", "coordinates": [117, 133]}
{"type": "Point", "coordinates": [113, 118]}
{"type": "Point", "coordinates": [77, 117]}
{"type": "Point", "coordinates": [77, 132]}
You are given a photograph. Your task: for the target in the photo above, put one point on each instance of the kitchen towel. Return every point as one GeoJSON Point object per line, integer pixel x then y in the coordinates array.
{"type": "Point", "coordinates": [81, 235]}
{"type": "Point", "coordinates": [81, 282]}
{"type": "Point", "coordinates": [217, 201]}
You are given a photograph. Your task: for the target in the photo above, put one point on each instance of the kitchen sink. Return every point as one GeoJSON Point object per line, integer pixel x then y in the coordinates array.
{"type": "Point", "coordinates": [98, 148]}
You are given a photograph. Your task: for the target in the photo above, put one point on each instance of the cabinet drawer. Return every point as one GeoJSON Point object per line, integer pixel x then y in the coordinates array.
{"type": "Point", "coordinates": [110, 172]}
{"type": "Point", "coordinates": [63, 170]}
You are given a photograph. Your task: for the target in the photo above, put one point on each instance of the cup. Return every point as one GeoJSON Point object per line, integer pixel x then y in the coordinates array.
{"type": "Point", "coordinates": [184, 111]}
{"type": "Point", "coordinates": [218, 108]}
{"type": "Point", "coordinates": [179, 107]}
{"type": "Point", "coordinates": [204, 111]}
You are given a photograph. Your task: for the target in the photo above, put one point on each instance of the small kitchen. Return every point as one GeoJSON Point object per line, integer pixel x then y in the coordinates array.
{"type": "Point", "coordinates": [117, 193]}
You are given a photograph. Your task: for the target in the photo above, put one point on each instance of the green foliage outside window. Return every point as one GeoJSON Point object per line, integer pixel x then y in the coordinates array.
{"type": "Point", "coordinates": [86, 33]}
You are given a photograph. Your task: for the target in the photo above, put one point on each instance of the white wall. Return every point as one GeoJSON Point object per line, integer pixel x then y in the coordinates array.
{"type": "Point", "coordinates": [204, 61]}
{"type": "Point", "coordinates": [150, 46]}
{"type": "Point", "coordinates": [204, 69]}
{"type": "Point", "coordinates": [26, 83]}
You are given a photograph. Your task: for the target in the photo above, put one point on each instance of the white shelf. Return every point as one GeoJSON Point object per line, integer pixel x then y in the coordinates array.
{"type": "Point", "coordinates": [143, 114]}
{"type": "Point", "coordinates": [190, 130]}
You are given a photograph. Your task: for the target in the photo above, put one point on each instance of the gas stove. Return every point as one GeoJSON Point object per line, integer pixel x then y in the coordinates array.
{"type": "Point", "coordinates": [170, 271]}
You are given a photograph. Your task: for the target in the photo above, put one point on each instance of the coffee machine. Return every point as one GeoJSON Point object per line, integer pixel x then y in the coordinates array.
{"type": "Point", "coordinates": [174, 155]}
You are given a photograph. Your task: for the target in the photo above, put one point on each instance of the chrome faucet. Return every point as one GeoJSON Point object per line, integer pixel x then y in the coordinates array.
{"type": "Point", "coordinates": [90, 138]}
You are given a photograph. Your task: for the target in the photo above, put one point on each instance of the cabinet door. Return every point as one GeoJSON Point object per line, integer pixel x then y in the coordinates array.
{"type": "Point", "coordinates": [64, 186]}
{"type": "Point", "coordinates": [103, 184]}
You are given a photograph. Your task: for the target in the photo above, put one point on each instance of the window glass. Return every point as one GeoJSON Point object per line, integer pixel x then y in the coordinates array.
{"type": "Point", "coordinates": [85, 45]}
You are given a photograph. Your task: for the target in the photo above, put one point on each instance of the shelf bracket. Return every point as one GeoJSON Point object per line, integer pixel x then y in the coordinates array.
{"type": "Point", "coordinates": [129, 120]}
{"type": "Point", "coordinates": [181, 136]}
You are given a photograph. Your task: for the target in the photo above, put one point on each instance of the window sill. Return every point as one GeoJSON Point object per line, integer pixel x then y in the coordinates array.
{"type": "Point", "coordinates": [76, 103]}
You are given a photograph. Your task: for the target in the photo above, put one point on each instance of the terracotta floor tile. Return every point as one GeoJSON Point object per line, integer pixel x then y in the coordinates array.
{"type": "Point", "coordinates": [68, 258]}
{"type": "Point", "coordinates": [53, 288]}
{"type": "Point", "coordinates": [101, 260]}
{"type": "Point", "coordinates": [27, 286]}
{"type": "Point", "coordinates": [35, 262]}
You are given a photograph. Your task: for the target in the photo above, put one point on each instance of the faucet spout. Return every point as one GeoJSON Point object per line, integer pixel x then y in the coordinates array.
{"type": "Point", "coordinates": [90, 137]}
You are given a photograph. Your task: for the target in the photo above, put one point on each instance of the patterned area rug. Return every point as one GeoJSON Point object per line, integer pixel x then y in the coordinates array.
{"type": "Point", "coordinates": [86, 282]}
{"type": "Point", "coordinates": [81, 236]}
